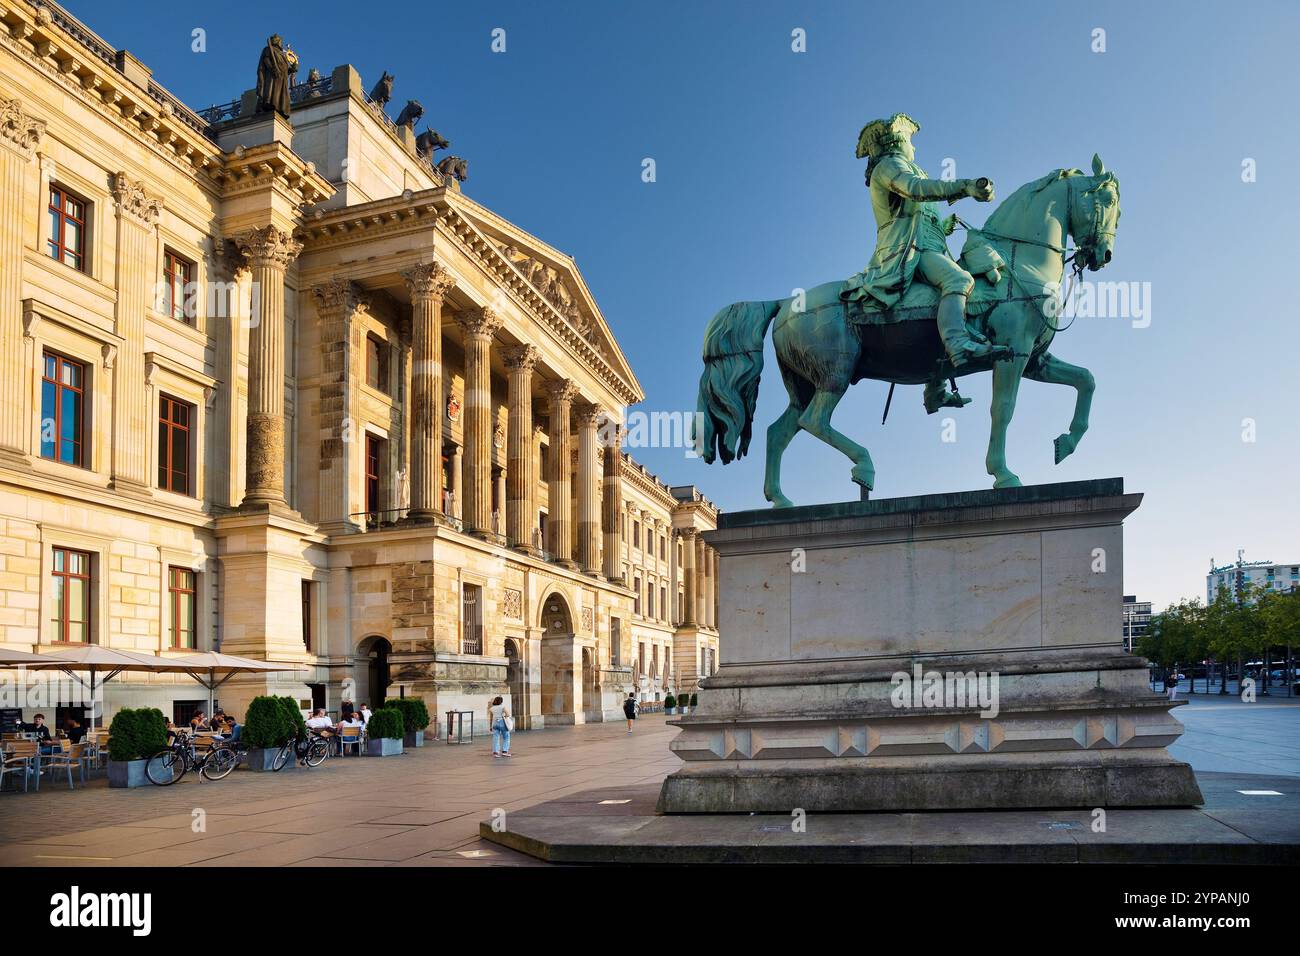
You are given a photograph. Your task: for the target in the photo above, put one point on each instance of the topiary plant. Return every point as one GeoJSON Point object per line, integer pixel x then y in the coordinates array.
{"type": "Point", "coordinates": [267, 724]}
{"type": "Point", "coordinates": [386, 722]}
{"type": "Point", "coordinates": [137, 734]}
{"type": "Point", "coordinates": [670, 701]}
{"type": "Point", "coordinates": [415, 715]}
{"type": "Point", "coordinates": [293, 713]}
{"type": "Point", "coordinates": [695, 700]}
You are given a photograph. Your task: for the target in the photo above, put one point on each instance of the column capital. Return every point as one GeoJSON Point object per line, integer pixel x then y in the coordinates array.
{"type": "Point", "coordinates": [268, 246]}
{"type": "Point", "coordinates": [562, 390]}
{"type": "Point", "coordinates": [339, 296]}
{"type": "Point", "coordinates": [521, 358]}
{"type": "Point", "coordinates": [480, 322]}
{"type": "Point", "coordinates": [687, 533]}
{"type": "Point", "coordinates": [19, 131]}
{"type": "Point", "coordinates": [428, 281]}
{"type": "Point", "coordinates": [587, 415]}
{"type": "Point", "coordinates": [132, 200]}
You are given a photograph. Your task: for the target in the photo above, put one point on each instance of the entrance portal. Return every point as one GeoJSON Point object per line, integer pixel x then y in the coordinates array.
{"type": "Point", "coordinates": [376, 649]}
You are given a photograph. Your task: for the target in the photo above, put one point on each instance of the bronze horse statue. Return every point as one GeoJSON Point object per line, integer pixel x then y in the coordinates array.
{"type": "Point", "coordinates": [822, 349]}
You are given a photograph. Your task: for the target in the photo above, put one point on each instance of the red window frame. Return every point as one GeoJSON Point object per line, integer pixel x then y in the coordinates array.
{"type": "Point", "coordinates": [57, 362]}
{"type": "Point", "coordinates": [374, 475]}
{"type": "Point", "coordinates": [178, 273]}
{"type": "Point", "coordinates": [377, 363]}
{"type": "Point", "coordinates": [306, 614]}
{"type": "Point", "coordinates": [175, 422]}
{"type": "Point", "coordinates": [60, 571]}
{"type": "Point", "coordinates": [67, 208]}
{"type": "Point", "coordinates": [182, 581]}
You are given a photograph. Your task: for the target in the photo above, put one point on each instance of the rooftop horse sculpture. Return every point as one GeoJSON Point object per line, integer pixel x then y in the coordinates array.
{"type": "Point", "coordinates": [824, 345]}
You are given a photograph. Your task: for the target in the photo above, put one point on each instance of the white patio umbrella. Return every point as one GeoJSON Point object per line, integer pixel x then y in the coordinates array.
{"type": "Point", "coordinates": [205, 667]}
{"type": "Point", "coordinates": [10, 658]}
{"type": "Point", "coordinates": [102, 664]}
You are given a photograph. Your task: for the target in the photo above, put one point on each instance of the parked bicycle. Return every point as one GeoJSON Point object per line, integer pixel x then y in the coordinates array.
{"type": "Point", "coordinates": [310, 749]}
{"type": "Point", "coordinates": [181, 756]}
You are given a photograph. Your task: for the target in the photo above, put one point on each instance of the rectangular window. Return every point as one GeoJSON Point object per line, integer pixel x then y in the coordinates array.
{"type": "Point", "coordinates": [175, 421]}
{"type": "Point", "coordinates": [663, 548]}
{"type": "Point", "coordinates": [649, 600]}
{"type": "Point", "coordinates": [67, 228]}
{"type": "Point", "coordinates": [375, 451]}
{"type": "Point", "coordinates": [178, 273]}
{"type": "Point", "coordinates": [636, 602]}
{"type": "Point", "coordinates": [71, 580]}
{"type": "Point", "coordinates": [663, 603]}
{"type": "Point", "coordinates": [615, 641]}
{"type": "Point", "coordinates": [180, 596]}
{"type": "Point", "coordinates": [471, 636]}
{"type": "Point", "coordinates": [63, 384]}
{"type": "Point", "coordinates": [306, 615]}
{"type": "Point", "coordinates": [377, 363]}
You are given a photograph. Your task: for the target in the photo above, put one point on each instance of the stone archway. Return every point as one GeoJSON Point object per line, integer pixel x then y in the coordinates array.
{"type": "Point", "coordinates": [590, 692]}
{"type": "Point", "coordinates": [561, 695]}
{"type": "Point", "coordinates": [515, 678]}
{"type": "Point", "coordinates": [373, 688]}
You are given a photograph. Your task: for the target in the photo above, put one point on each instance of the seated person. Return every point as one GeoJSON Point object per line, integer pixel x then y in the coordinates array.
{"type": "Point", "coordinates": [199, 721]}
{"type": "Point", "coordinates": [44, 739]}
{"type": "Point", "coordinates": [73, 729]}
{"type": "Point", "coordinates": [318, 721]}
{"type": "Point", "coordinates": [233, 729]}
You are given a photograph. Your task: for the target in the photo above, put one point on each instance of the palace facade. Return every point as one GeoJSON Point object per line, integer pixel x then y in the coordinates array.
{"type": "Point", "coordinates": [276, 386]}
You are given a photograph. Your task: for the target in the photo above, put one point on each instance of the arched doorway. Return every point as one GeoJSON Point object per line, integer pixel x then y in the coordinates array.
{"type": "Point", "coordinates": [590, 695]}
{"type": "Point", "coordinates": [515, 678]}
{"type": "Point", "coordinates": [559, 703]}
{"type": "Point", "coordinates": [375, 651]}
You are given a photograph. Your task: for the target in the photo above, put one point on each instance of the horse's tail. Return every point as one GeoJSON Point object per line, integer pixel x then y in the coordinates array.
{"type": "Point", "coordinates": [733, 362]}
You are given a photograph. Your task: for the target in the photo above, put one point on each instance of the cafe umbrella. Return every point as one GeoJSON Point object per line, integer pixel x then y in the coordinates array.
{"type": "Point", "coordinates": [102, 664]}
{"type": "Point", "coordinates": [212, 669]}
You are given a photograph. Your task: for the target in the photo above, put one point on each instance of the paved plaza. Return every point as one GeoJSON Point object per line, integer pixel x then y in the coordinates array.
{"type": "Point", "coordinates": [424, 808]}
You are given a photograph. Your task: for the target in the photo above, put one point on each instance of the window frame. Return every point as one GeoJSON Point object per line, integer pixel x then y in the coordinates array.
{"type": "Point", "coordinates": [79, 441]}
{"type": "Point", "coordinates": [167, 427]}
{"type": "Point", "coordinates": [58, 223]}
{"type": "Point", "coordinates": [187, 278]}
{"type": "Point", "coordinates": [174, 594]}
{"type": "Point", "coordinates": [63, 618]}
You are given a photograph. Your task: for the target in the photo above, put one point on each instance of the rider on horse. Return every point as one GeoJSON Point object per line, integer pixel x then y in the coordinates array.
{"type": "Point", "coordinates": [911, 240]}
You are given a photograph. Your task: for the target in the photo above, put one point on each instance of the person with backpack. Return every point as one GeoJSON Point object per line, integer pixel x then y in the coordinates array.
{"type": "Point", "coordinates": [630, 709]}
{"type": "Point", "coordinates": [501, 722]}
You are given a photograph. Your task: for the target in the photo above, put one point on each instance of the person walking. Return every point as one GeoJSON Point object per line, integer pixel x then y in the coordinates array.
{"type": "Point", "coordinates": [500, 721]}
{"type": "Point", "coordinates": [630, 709]}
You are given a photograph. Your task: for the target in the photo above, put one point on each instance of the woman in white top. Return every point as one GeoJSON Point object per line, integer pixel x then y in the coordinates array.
{"type": "Point", "coordinates": [498, 714]}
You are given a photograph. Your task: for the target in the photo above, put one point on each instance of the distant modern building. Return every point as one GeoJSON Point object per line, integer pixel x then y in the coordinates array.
{"type": "Point", "coordinates": [1235, 577]}
{"type": "Point", "coordinates": [1137, 618]}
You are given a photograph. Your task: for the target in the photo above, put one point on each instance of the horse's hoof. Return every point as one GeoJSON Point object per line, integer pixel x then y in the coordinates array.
{"type": "Point", "coordinates": [1063, 447]}
{"type": "Point", "coordinates": [781, 501]}
{"type": "Point", "coordinates": [1011, 481]}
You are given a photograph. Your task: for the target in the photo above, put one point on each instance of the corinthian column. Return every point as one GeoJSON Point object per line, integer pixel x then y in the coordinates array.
{"type": "Point", "coordinates": [612, 507]}
{"type": "Point", "coordinates": [337, 303]}
{"type": "Point", "coordinates": [479, 326]}
{"type": "Point", "coordinates": [20, 134]}
{"type": "Point", "coordinates": [559, 522]}
{"type": "Point", "coordinates": [269, 251]}
{"type": "Point", "coordinates": [689, 613]}
{"type": "Point", "coordinates": [429, 284]}
{"type": "Point", "coordinates": [521, 465]}
{"type": "Point", "coordinates": [588, 417]}
{"type": "Point", "coordinates": [137, 216]}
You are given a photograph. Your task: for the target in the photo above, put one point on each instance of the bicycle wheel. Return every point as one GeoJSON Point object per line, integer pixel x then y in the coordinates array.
{"type": "Point", "coordinates": [317, 752]}
{"type": "Point", "coordinates": [166, 767]}
{"type": "Point", "coordinates": [282, 757]}
{"type": "Point", "coordinates": [219, 763]}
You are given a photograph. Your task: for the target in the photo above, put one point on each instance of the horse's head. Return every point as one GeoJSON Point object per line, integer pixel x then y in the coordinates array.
{"type": "Point", "coordinates": [1094, 216]}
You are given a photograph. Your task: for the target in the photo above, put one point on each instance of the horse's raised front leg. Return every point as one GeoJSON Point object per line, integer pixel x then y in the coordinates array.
{"type": "Point", "coordinates": [779, 435]}
{"type": "Point", "coordinates": [1053, 371]}
{"type": "Point", "coordinates": [816, 420]}
{"type": "Point", "coordinates": [1006, 386]}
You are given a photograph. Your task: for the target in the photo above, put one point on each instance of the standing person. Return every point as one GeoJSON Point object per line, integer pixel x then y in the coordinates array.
{"type": "Point", "coordinates": [630, 709]}
{"type": "Point", "coordinates": [1171, 685]}
{"type": "Point", "coordinates": [498, 720]}
{"type": "Point", "coordinates": [366, 714]}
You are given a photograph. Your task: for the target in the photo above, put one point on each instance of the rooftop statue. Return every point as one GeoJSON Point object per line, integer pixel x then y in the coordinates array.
{"type": "Point", "coordinates": [428, 142]}
{"type": "Point", "coordinates": [410, 114]}
{"type": "Point", "coordinates": [994, 307]}
{"type": "Point", "coordinates": [383, 90]}
{"type": "Point", "coordinates": [273, 71]}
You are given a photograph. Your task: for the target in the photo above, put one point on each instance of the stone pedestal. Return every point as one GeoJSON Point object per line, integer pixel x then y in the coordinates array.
{"type": "Point", "coordinates": [939, 652]}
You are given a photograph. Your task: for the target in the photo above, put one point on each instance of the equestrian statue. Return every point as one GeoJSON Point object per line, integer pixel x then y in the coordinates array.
{"type": "Point", "coordinates": [915, 315]}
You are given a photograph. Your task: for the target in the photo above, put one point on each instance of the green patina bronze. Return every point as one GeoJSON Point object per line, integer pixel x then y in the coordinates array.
{"type": "Point", "coordinates": [915, 315]}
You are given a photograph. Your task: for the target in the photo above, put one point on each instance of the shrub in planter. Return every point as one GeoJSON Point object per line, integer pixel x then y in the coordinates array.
{"type": "Point", "coordinates": [384, 733]}
{"type": "Point", "coordinates": [269, 722]}
{"type": "Point", "coordinates": [134, 737]}
{"type": "Point", "coordinates": [695, 700]}
{"type": "Point", "coordinates": [415, 718]}
{"type": "Point", "coordinates": [670, 703]}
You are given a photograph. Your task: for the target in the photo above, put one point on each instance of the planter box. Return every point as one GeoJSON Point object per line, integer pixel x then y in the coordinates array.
{"type": "Point", "coordinates": [261, 758]}
{"type": "Point", "coordinates": [383, 747]}
{"type": "Point", "coordinates": [127, 773]}
{"type": "Point", "coordinates": [413, 738]}
{"type": "Point", "coordinates": [670, 710]}
{"type": "Point", "coordinates": [685, 710]}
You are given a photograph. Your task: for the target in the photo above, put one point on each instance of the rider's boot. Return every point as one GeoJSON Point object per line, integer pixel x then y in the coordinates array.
{"type": "Point", "coordinates": [963, 347]}
{"type": "Point", "coordinates": [937, 396]}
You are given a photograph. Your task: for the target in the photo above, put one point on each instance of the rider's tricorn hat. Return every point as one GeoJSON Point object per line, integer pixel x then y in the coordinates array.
{"type": "Point", "coordinates": [879, 136]}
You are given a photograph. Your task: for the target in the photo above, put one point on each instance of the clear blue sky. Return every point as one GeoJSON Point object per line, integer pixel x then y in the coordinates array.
{"type": "Point", "coordinates": [759, 192]}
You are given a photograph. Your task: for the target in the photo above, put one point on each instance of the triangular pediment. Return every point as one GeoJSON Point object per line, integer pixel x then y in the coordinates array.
{"type": "Point", "coordinates": [555, 277]}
